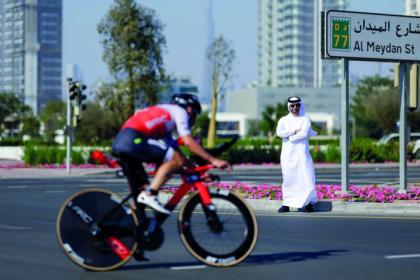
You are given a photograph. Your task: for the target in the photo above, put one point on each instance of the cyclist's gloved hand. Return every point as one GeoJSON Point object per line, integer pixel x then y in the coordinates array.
{"type": "Point", "coordinates": [189, 164]}
{"type": "Point", "coordinates": [222, 164]}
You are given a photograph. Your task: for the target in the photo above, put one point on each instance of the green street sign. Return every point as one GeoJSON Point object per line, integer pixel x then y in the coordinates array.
{"type": "Point", "coordinates": [341, 34]}
{"type": "Point", "coordinates": [370, 36]}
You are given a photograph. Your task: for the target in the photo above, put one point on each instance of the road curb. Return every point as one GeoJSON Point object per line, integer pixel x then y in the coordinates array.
{"type": "Point", "coordinates": [396, 208]}
{"type": "Point", "coordinates": [336, 207]}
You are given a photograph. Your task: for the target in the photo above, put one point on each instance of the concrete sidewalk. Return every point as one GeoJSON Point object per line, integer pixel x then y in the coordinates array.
{"type": "Point", "coordinates": [409, 208]}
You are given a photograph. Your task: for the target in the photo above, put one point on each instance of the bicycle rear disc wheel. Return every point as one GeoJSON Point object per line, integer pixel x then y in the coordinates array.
{"type": "Point", "coordinates": [226, 247]}
{"type": "Point", "coordinates": [106, 247]}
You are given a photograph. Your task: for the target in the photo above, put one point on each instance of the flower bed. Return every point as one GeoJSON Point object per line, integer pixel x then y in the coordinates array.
{"type": "Point", "coordinates": [370, 193]}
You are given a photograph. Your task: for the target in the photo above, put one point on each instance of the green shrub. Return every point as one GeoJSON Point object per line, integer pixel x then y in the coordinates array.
{"type": "Point", "coordinates": [252, 154]}
{"type": "Point", "coordinates": [388, 152]}
{"type": "Point", "coordinates": [366, 150]}
{"type": "Point", "coordinates": [363, 149]}
{"type": "Point", "coordinates": [259, 150]}
{"type": "Point", "coordinates": [319, 142]}
{"type": "Point", "coordinates": [29, 154]}
{"type": "Point", "coordinates": [333, 154]}
{"type": "Point", "coordinates": [245, 150]}
{"type": "Point", "coordinates": [317, 154]}
{"type": "Point", "coordinates": [77, 157]}
{"type": "Point", "coordinates": [11, 142]}
{"type": "Point", "coordinates": [40, 157]}
{"type": "Point", "coordinates": [50, 155]}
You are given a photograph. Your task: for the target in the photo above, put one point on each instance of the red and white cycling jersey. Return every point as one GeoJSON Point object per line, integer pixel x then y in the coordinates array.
{"type": "Point", "coordinates": [159, 121]}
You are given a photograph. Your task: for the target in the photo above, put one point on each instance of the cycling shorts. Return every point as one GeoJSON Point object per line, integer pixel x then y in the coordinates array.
{"type": "Point", "coordinates": [131, 143]}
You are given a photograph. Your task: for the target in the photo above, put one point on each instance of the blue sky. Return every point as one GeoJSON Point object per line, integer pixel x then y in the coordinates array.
{"type": "Point", "coordinates": [185, 31]}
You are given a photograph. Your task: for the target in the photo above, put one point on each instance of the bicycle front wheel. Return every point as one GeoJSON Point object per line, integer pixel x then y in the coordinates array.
{"type": "Point", "coordinates": [96, 231]}
{"type": "Point", "coordinates": [232, 242]}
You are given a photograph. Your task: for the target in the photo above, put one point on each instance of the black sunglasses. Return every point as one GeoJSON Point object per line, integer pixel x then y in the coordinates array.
{"type": "Point", "coordinates": [294, 106]}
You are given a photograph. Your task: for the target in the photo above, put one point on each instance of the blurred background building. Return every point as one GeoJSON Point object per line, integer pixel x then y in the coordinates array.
{"type": "Point", "coordinates": [205, 90]}
{"type": "Point", "coordinates": [412, 7]}
{"type": "Point", "coordinates": [290, 63]}
{"type": "Point", "coordinates": [181, 84]}
{"type": "Point", "coordinates": [322, 105]}
{"type": "Point", "coordinates": [289, 54]}
{"type": "Point", "coordinates": [31, 50]}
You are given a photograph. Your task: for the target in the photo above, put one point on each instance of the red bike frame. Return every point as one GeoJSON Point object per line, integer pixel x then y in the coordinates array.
{"type": "Point", "coordinates": [192, 178]}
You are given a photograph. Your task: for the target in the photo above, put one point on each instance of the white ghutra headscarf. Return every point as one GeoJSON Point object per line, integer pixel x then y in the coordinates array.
{"type": "Point", "coordinates": [298, 100]}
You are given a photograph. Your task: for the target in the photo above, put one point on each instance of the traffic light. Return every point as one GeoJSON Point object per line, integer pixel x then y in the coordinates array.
{"type": "Point", "coordinates": [77, 99]}
{"type": "Point", "coordinates": [73, 90]}
{"type": "Point", "coordinates": [82, 97]}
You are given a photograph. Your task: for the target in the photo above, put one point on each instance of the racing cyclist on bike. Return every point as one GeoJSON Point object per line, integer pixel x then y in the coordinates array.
{"type": "Point", "coordinates": [147, 137]}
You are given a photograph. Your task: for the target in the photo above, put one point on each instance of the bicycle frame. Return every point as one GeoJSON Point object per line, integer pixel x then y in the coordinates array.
{"type": "Point", "coordinates": [192, 180]}
{"type": "Point", "coordinates": [121, 231]}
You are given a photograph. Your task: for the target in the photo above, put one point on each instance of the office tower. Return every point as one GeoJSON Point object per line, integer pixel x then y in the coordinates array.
{"type": "Point", "coordinates": [178, 85]}
{"type": "Point", "coordinates": [289, 44]}
{"type": "Point", "coordinates": [174, 86]}
{"type": "Point", "coordinates": [412, 7]}
{"type": "Point", "coordinates": [30, 50]}
{"type": "Point", "coordinates": [205, 92]}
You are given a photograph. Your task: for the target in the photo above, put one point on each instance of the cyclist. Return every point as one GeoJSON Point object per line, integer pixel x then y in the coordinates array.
{"type": "Point", "coordinates": [147, 137]}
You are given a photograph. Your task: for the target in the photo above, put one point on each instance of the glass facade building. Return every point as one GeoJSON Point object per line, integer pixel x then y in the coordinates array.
{"type": "Point", "coordinates": [31, 50]}
{"type": "Point", "coordinates": [412, 7]}
{"type": "Point", "coordinates": [289, 48]}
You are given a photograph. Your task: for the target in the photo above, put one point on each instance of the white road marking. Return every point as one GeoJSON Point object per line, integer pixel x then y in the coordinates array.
{"type": "Point", "coordinates": [14, 227]}
{"type": "Point", "coordinates": [251, 183]}
{"type": "Point", "coordinates": [328, 180]}
{"type": "Point", "coordinates": [402, 256]}
{"type": "Point", "coordinates": [252, 176]}
{"type": "Point", "coordinates": [188, 267]}
{"type": "Point", "coordinates": [17, 187]}
{"type": "Point", "coordinates": [55, 191]}
{"type": "Point", "coordinates": [106, 180]}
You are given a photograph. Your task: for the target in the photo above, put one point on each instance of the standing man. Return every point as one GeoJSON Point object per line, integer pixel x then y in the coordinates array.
{"type": "Point", "coordinates": [296, 161]}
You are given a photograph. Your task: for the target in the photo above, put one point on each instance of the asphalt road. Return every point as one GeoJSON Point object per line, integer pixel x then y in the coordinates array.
{"type": "Point", "coordinates": [358, 175]}
{"type": "Point", "coordinates": [382, 174]}
{"type": "Point", "coordinates": [291, 246]}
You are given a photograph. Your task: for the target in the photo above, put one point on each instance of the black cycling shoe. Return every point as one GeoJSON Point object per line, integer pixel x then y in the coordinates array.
{"type": "Point", "coordinates": [283, 209]}
{"type": "Point", "coordinates": [309, 208]}
{"type": "Point", "coordinates": [139, 256]}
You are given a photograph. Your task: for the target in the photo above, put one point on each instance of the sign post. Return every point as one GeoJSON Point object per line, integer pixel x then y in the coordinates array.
{"type": "Point", "coordinates": [351, 35]}
{"type": "Point", "coordinates": [344, 141]}
{"type": "Point", "coordinates": [403, 126]}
